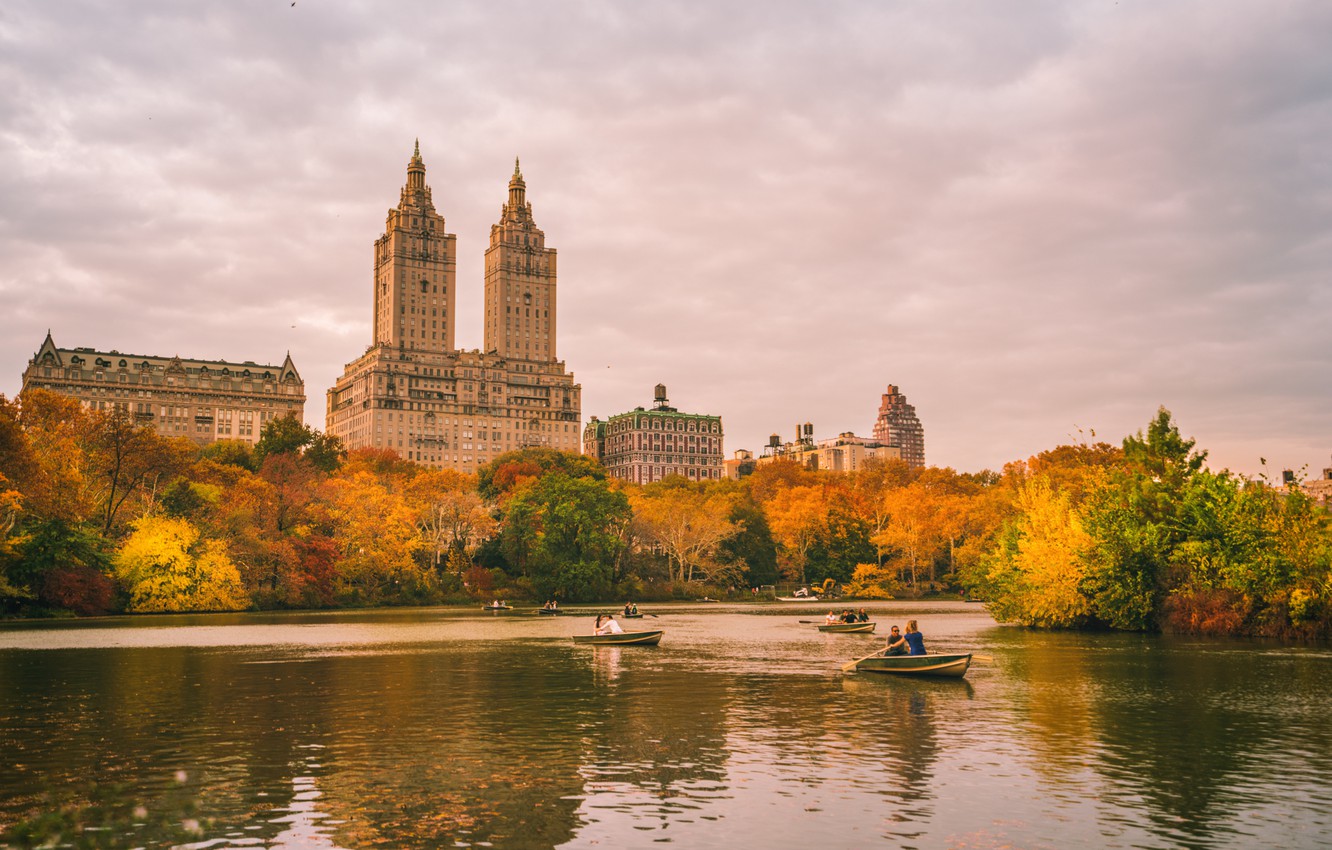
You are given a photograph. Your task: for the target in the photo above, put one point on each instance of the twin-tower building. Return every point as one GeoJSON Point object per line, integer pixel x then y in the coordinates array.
{"type": "Point", "coordinates": [413, 391]}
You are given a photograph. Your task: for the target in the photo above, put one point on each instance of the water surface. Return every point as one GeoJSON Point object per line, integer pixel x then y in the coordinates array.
{"type": "Point", "coordinates": [443, 727]}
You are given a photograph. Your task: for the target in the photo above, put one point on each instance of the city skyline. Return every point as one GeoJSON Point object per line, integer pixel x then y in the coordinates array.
{"type": "Point", "coordinates": [1037, 220]}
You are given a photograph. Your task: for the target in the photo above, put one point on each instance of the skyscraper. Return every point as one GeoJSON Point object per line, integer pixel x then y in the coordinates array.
{"type": "Point", "coordinates": [413, 391]}
{"type": "Point", "coordinates": [897, 425]}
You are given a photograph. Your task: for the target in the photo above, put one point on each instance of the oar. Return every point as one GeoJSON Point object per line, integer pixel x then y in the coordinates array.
{"type": "Point", "coordinates": [851, 665]}
{"type": "Point", "coordinates": [989, 658]}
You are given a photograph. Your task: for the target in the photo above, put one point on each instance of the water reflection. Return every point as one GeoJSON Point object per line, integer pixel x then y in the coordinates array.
{"type": "Point", "coordinates": [420, 730]}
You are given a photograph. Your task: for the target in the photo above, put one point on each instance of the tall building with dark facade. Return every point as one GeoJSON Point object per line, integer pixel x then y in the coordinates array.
{"type": "Point", "coordinates": [647, 445]}
{"type": "Point", "coordinates": [412, 391]}
{"type": "Point", "coordinates": [898, 425]}
{"type": "Point", "coordinates": [204, 400]}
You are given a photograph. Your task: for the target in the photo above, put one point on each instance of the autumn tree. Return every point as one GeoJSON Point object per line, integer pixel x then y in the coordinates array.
{"type": "Point", "coordinates": [1036, 574]}
{"type": "Point", "coordinates": [449, 513]}
{"type": "Point", "coordinates": [687, 524]}
{"type": "Point", "coordinates": [796, 517]}
{"type": "Point", "coordinates": [165, 565]}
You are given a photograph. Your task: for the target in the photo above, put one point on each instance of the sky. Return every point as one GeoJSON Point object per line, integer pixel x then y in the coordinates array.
{"type": "Point", "coordinates": [1041, 220]}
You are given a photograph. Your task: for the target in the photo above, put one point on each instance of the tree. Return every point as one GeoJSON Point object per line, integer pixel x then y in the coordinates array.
{"type": "Point", "coordinates": [688, 525]}
{"type": "Point", "coordinates": [377, 539]}
{"type": "Point", "coordinates": [1136, 523]}
{"type": "Point", "coordinates": [505, 474]}
{"type": "Point", "coordinates": [165, 565]}
{"type": "Point", "coordinates": [796, 517]}
{"type": "Point", "coordinates": [287, 435]}
{"type": "Point", "coordinates": [565, 533]}
{"type": "Point", "coordinates": [449, 513]}
{"type": "Point", "coordinates": [1036, 575]}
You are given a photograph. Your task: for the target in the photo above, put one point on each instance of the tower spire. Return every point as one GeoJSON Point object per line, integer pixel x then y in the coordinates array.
{"type": "Point", "coordinates": [517, 173]}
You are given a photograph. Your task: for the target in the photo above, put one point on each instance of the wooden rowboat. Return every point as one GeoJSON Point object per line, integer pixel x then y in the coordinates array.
{"type": "Point", "coordinates": [495, 608]}
{"type": "Point", "coordinates": [625, 639]}
{"type": "Point", "coordinates": [952, 666]}
{"type": "Point", "coordinates": [631, 616]}
{"type": "Point", "coordinates": [862, 628]}
{"type": "Point", "coordinates": [549, 612]}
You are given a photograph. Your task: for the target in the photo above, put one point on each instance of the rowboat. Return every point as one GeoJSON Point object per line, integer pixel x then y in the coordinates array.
{"type": "Point", "coordinates": [954, 666]}
{"type": "Point", "coordinates": [495, 608]}
{"type": "Point", "coordinates": [549, 612]}
{"type": "Point", "coordinates": [624, 639]}
{"type": "Point", "coordinates": [798, 599]}
{"type": "Point", "coordinates": [862, 628]}
{"type": "Point", "coordinates": [631, 616]}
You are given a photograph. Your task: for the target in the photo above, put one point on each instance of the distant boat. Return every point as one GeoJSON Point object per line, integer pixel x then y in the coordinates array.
{"type": "Point", "coordinates": [631, 616]}
{"type": "Point", "coordinates": [709, 599]}
{"type": "Point", "coordinates": [550, 612]}
{"type": "Point", "coordinates": [623, 639]}
{"type": "Point", "coordinates": [863, 628]}
{"type": "Point", "coordinates": [798, 599]}
{"type": "Point", "coordinates": [950, 666]}
{"type": "Point", "coordinates": [495, 608]}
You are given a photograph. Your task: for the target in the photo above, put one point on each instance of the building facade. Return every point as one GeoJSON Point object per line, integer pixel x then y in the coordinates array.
{"type": "Point", "coordinates": [204, 400]}
{"type": "Point", "coordinates": [898, 425]}
{"type": "Point", "coordinates": [647, 445]}
{"type": "Point", "coordinates": [844, 453]}
{"type": "Point", "coordinates": [412, 391]}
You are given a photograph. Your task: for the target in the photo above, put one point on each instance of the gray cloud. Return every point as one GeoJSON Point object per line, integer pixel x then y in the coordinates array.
{"type": "Point", "coordinates": [1033, 217]}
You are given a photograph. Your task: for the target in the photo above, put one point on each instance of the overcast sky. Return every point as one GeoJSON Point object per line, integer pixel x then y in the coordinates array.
{"type": "Point", "coordinates": [1039, 219]}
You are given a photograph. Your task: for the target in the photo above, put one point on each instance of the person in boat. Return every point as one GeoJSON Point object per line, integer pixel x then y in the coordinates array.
{"type": "Point", "coordinates": [635, 607]}
{"type": "Point", "coordinates": [862, 616]}
{"type": "Point", "coordinates": [831, 618]}
{"type": "Point", "coordinates": [610, 627]}
{"type": "Point", "coordinates": [914, 638]}
{"type": "Point", "coordinates": [848, 616]}
{"type": "Point", "coordinates": [897, 644]}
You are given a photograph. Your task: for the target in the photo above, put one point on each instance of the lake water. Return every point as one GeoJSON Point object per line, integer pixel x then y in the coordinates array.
{"type": "Point", "coordinates": [451, 728]}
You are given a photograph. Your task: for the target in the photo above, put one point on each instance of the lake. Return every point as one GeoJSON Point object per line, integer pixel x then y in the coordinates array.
{"type": "Point", "coordinates": [446, 727]}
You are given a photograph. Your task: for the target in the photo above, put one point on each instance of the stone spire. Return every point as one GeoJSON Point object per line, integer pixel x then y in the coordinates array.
{"type": "Point", "coordinates": [517, 188]}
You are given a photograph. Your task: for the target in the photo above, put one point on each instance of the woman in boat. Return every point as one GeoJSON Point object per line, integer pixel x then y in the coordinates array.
{"type": "Point", "coordinates": [862, 616]}
{"type": "Point", "coordinates": [611, 627]}
{"type": "Point", "coordinates": [831, 618]}
{"type": "Point", "coordinates": [914, 638]}
{"type": "Point", "coordinates": [897, 644]}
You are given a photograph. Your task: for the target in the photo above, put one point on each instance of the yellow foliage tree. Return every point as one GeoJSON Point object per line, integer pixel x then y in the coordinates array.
{"type": "Point", "coordinates": [166, 566]}
{"type": "Point", "coordinates": [1041, 564]}
{"type": "Point", "coordinates": [687, 525]}
{"type": "Point", "coordinates": [871, 581]}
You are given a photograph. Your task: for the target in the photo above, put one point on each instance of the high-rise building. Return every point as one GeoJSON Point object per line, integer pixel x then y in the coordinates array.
{"type": "Point", "coordinates": [412, 391]}
{"type": "Point", "coordinates": [204, 400]}
{"type": "Point", "coordinates": [897, 425]}
{"type": "Point", "coordinates": [647, 445]}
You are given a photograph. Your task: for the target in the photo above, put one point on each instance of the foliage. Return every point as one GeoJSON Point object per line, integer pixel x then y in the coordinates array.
{"type": "Point", "coordinates": [164, 565]}
{"type": "Point", "coordinates": [565, 534]}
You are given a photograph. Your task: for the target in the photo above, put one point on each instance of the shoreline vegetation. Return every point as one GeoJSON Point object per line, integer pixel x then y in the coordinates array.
{"type": "Point", "coordinates": [99, 515]}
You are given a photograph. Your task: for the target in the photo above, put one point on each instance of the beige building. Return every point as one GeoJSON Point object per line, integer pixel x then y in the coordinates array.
{"type": "Point", "coordinates": [844, 453]}
{"type": "Point", "coordinates": [647, 445]}
{"type": "Point", "coordinates": [412, 391]}
{"type": "Point", "coordinates": [204, 400]}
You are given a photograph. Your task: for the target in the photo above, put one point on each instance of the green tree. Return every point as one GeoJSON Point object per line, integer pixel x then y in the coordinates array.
{"type": "Point", "coordinates": [565, 533]}
{"type": "Point", "coordinates": [1136, 523]}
